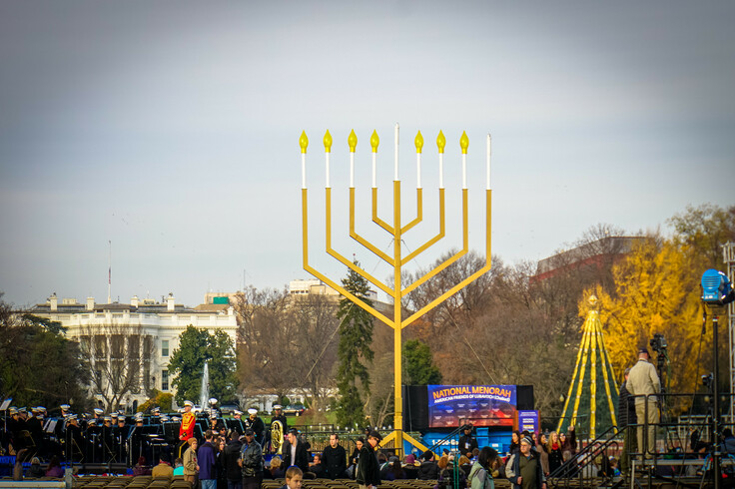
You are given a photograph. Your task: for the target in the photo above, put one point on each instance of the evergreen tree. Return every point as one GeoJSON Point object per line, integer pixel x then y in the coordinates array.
{"type": "Point", "coordinates": [197, 346]}
{"type": "Point", "coordinates": [356, 335]}
{"type": "Point", "coordinates": [418, 364]}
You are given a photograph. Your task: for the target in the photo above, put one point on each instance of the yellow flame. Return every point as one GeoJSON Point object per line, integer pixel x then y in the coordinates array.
{"type": "Point", "coordinates": [419, 142]}
{"type": "Point", "coordinates": [327, 142]}
{"type": "Point", "coordinates": [303, 141]}
{"type": "Point", "coordinates": [352, 141]}
{"type": "Point", "coordinates": [464, 142]}
{"type": "Point", "coordinates": [374, 141]}
{"type": "Point", "coordinates": [441, 142]}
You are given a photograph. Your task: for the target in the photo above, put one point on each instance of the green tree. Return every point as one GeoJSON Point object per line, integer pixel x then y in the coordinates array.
{"type": "Point", "coordinates": [196, 347]}
{"type": "Point", "coordinates": [356, 334]}
{"type": "Point", "coordinates": [163, 400]}
{"type": "Point", "coordinates": [38, 366]}
{"type": "Point", "coordinates": [418, 364]}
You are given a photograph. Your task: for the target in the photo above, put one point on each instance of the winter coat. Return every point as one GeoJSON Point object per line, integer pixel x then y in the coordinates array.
{"type": "Point", "coordinates": [428, 471]}
{"type": "Point", "coordinates": [480, 478]}
{"type": "Point", "coordinates": [513, 470]}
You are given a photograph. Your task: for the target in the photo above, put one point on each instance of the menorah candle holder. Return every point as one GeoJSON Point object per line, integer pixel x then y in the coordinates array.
{"type": "Point", "coordinates": [397, 229]}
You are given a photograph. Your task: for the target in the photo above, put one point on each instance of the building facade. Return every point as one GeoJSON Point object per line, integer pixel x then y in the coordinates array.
{"type": "Point", "coordinates": [128, 346]}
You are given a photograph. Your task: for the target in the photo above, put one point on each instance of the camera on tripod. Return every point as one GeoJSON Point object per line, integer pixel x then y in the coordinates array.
{"type": "Point", "coordinates": [658, 343]}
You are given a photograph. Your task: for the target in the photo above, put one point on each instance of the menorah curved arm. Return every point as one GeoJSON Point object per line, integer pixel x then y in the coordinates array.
{"type": "Point", "coordinates": [353, 234]}
{"type": "Point", "coordinates": [433, 240]}
{"type": "Point", "coordinates": [339, 256]}
{"type": "Point", "coordinates": [305, 237]}
{"type": "Point", "coordinates": [376, 219]}
{"type": "Point", "coordinates": [450, 260]}
{"type": "Point", "coordinates": [419, 211]}
{"type": "Point", "coordinates": [468, 280]}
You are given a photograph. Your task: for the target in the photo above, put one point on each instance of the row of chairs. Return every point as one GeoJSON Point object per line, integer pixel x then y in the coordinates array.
{"type": "Point", "coordinates": [123, 482]}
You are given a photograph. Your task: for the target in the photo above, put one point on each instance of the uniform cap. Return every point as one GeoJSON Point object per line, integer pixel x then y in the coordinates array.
{"type": "Point", "coordinates": [237, 412]}
{"type": "Point", "coordinates": [13, 410]}
{"type": "Point", "coordinates": [277, 406]}
{"type": "Point", "coordinates": [98, 411]}
{"type": "Point", "coordinates": [65, 407]}
{"type": "Point", "coordinates": [113, 415]}
{"type": "Point", "coordinates": [188, 403]}
{"type": "Point", "coordinates": [108, 418]}
{"type": "Point", "coordinates": [252, 411]}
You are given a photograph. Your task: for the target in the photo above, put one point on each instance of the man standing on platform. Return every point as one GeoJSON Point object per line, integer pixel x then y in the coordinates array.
{"type": "Point", "coordinates": [626, 417]}
{"type": "Point", "coordinates": [186, 431]}
{"type": "Point", "coordinates": [467, 442]}
{"type": "Point", "coordinates": [643, 382]}
{"type": "Point", "coordinates": [334, 459]}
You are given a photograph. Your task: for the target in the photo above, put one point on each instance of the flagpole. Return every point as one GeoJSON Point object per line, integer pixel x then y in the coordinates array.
{"type": "Point", "coordinates": [109, 275]}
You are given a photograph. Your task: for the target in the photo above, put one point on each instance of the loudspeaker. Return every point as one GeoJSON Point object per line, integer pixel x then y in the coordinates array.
{"type": "Point", "coordinates": [415, 408]}
{"type": "Point", "coordinates": [524, 398]}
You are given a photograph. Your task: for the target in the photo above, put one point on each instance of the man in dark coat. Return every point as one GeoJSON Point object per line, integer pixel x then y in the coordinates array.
{"type": "Point", "coordinates": [368, 470]}
{"type": "Point", "coordinates": [294, 452]}
{"type": "Point", "coordinates": [467, 442]}
{"type": "Point", "coordinates": [251, 455]}
{"type": "Point", "coordinates": [334, 459]}
{"type": "Point", "coordinates": [255, 423]}
{"type": "Point", "coordinates": [233, 472]}
{"type": "Point", "coordinates": [626, 417]}
{"type": "Point", "coordinates": [428, 470]}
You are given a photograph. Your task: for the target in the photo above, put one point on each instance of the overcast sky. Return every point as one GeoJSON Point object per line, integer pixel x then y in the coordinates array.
{"type": "Point", "coordinates": [171, 129]}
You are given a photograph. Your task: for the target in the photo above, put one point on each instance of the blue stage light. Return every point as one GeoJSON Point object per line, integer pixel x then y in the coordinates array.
{"type": "Point", "coordinates": [716, 288]}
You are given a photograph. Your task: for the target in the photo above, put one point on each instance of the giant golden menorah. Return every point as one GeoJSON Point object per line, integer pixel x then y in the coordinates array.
{"type": "Point", "coordinates": [396, 230]}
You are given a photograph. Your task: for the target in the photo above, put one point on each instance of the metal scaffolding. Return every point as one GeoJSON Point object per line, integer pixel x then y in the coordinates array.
{"type": "Point", "coordinates": [728, 251]}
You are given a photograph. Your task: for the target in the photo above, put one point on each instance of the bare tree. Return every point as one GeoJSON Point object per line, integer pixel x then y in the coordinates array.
{"type": "Point", "coordinates": [315, 350]}
{"type": "Point", "coordinates": [287, 342]}
{"type": "Point", "coordinates": [265, 341]}
{"type": "Point", "coordinates": [119, 359]}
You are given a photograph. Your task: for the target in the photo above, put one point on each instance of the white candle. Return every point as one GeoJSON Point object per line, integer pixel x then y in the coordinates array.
{"type": "Point", "coordinates": [418, 170]}
{"type": "Point", "coordinates": [441, 170]}
{"type": "Point", "coordinates": [375, 170]}
{"type": "Point", "coordinates": [464, 171]}
{"type": "Point", "coordinates": [303, 170]}
{"type": "Point", "coordinates": [395, 171]}
{"type": "Point", "coordinates": [352, 170]}
{"type": "Point", "coordinates": [489, 152]}
{"type": "Point", "coordinates": [327, 164]}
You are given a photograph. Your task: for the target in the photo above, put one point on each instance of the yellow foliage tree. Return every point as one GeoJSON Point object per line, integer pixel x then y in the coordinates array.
{"type": "Point", "coordinates": [657, 291]}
